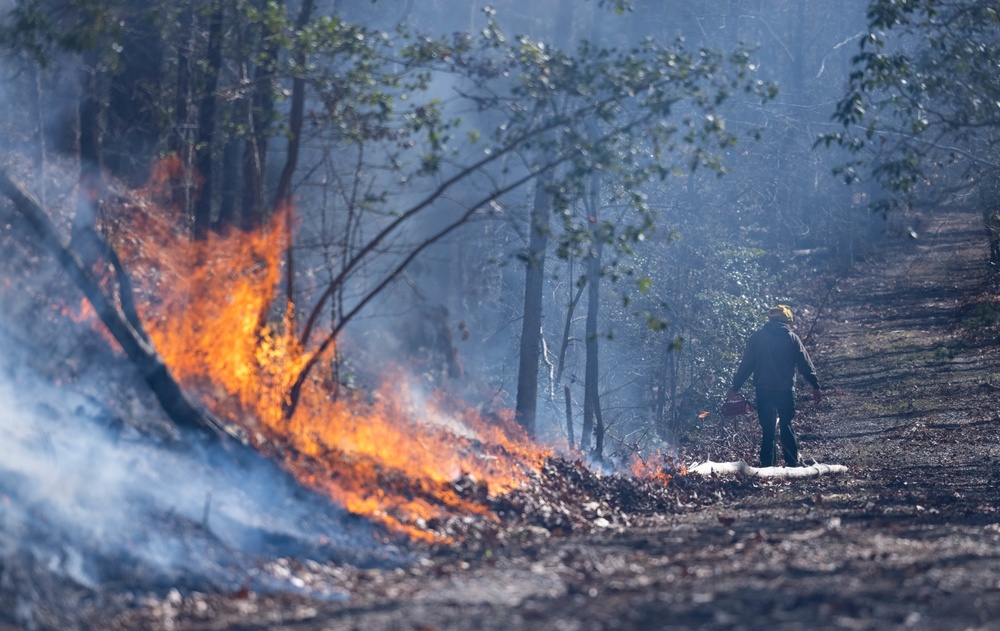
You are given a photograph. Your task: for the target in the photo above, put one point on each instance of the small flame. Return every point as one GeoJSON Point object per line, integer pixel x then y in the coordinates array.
{"type": "Point", "coordinates": [658, 467]}
{"type": "Point", "coordinates": [82, 313]}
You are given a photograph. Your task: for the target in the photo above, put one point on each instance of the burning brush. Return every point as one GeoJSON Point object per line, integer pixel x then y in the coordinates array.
{"type": "Point", "coordinates": [207, 328]}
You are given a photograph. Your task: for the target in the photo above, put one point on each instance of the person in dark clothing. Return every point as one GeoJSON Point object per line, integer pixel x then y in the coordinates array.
{"type": "Point", "coordinates": [772, 355]}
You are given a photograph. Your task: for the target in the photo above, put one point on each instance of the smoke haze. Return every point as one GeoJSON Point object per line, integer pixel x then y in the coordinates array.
{"type": "Point", "coordinates": [95, 500]}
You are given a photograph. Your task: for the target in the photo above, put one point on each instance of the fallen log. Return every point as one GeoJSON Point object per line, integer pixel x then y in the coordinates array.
{"type": "Point", "coordinates": [184, 412]}
{"type": "Point", "coordinates": [741, 468]}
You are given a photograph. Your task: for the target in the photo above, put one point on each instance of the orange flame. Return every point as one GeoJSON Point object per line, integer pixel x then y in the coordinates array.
{"type": "Point", "coordinates": [658, 467]}
{"type": "Point", "coordinates": [84, 313]}
{"type": "Point", "coordinates": [208, 308]}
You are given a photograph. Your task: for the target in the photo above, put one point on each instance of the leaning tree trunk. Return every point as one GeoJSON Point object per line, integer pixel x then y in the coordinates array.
{"type": "Point", "coordinates": [181, 410]}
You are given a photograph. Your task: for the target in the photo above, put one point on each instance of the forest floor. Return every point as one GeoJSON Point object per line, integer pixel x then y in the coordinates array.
{"type": "Point", "coordinates": [909, 537]}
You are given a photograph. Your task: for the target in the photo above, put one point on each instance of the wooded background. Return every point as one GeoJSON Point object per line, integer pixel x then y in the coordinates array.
{"type": "Point", "coordinates": [571, 209]}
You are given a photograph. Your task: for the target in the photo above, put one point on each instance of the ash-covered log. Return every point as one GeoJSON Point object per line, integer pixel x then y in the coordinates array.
{"type": "Point", "coordinates": [741, 468]}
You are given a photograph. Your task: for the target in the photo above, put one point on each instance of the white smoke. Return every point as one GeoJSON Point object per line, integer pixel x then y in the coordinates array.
{"type": "Point", "coordinates": [97, 501]}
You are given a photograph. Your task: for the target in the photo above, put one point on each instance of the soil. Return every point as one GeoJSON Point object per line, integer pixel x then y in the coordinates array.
{"type": "Point", "coordinates": [907, 538]}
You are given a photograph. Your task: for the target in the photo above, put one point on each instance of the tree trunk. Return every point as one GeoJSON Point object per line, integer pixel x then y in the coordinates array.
{"type": "Point", "coordinates": [283, 195]}
{"type": "Point", "coordinates": [531, 325]}
{"type": "Point", "coordinates": [39, 149]}
{"type": "Point", "coordinates": [206, 123]}
{"type": "Point", "coordinates": [526, 406]}
{"type": "Point", "coordinates": [569, 417]}
{"type": "Point", "coordinates": [567, 328]}
{"type": "Point", "coordinates": [89, 145]}
{"type": "Point", "coordinates": [230, 185]}
{"type": "Point", "coordinates": [134, 132]}
{"type": "Point", "coordinates": [181, 143]}
{"type": "Point", "coordinates": [673, 379]}
{"type": "Point", "coordinates": [593, 422]}
{"type": "Point", "coordinates": [592, 419]}
{"type": "Point", "coordinates": [260, 120]}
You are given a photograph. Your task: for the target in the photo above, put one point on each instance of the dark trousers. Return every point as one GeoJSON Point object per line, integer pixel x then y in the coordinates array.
{"type": "Point", "coordinates": [777, 408]}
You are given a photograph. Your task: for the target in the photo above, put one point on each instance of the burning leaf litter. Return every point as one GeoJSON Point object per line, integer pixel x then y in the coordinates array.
{"type": "Point", "coordinates": [396, 457]}
{"type": "Point", "coordinates": [462, 494]}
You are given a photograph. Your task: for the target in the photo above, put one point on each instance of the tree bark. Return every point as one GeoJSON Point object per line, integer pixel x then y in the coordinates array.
{"type": "Point", "coordinates": [229, 192]}
{"type": "Point", "coordinates": [593, 421]}
{"type": "Point", "coordinates": [283, 195]}
{"type": "Point", "coordinates": [180, 142]}
{"type": "Point", "coordinates": [259, 118]}
{"type": "Point", "coordinates": [569, 417]}
{"type": "Point", "coordinates": [531, 325]}
{"type": "Point", "coordinates": [89, 145]}
{"type": "Point", "coordinates": [567, 327]}
{"type": "Point", "coordinates": [526, 406]}
{"type": "Point", "coordinates": [206, 123]}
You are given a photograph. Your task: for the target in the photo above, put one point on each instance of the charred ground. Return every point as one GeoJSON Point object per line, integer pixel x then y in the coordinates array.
{"type": "Point", "coordinates": [907, 538]}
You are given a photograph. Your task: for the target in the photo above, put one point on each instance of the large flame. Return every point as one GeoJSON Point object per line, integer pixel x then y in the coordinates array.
{"type": "Point", "coordinates": [209, 308]}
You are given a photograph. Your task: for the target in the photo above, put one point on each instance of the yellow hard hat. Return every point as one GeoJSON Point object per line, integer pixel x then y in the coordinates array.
{"type": "Point", "coordinates": [780, 312]}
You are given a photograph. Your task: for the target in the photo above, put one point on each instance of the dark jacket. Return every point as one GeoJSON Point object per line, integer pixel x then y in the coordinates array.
{"type": "Point", "coordinates": [771, 356]}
